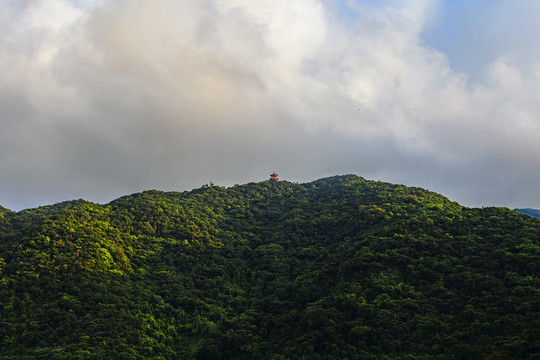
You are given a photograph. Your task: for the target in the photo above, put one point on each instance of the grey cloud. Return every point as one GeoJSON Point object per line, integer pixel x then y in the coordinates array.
{"type": "Point", "coordinates": [131, 95]}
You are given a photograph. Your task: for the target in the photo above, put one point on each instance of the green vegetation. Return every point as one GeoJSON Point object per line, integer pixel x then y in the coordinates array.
{"type": "Point", "coordinates": [340, 268]}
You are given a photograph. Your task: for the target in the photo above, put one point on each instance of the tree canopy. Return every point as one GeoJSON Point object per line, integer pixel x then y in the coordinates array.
{"type": "Point", "coordinates": [338, 268]}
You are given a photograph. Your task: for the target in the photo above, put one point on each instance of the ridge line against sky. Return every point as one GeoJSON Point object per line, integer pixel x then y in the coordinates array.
{"type": "Point", "coordinates": [104, 98]}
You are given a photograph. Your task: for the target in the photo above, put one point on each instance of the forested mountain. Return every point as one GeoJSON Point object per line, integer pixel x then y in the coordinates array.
{"type": "Point", "coordinates": [339, 268]}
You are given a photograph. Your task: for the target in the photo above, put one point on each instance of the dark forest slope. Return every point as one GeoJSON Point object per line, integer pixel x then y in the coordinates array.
{"type": "Point", "coordinates": [340, 268]}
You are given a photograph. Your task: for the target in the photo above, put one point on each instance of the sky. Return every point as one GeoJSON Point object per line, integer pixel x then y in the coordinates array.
{"type": "Point", "coordinates": [102, 98]}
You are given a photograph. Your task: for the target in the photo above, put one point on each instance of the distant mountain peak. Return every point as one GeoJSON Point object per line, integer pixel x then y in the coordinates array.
{"type": "Point", "coordinates": [528, 211]}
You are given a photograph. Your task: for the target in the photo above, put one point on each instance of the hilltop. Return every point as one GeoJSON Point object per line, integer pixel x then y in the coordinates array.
{"type": "Point", "coordinates": [338, 268]}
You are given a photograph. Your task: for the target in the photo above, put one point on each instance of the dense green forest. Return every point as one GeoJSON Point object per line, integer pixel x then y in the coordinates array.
{"type": "Point", "coordinates": [339, 268]}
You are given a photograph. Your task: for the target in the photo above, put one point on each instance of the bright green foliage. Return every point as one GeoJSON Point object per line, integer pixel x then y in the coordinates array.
{"type": "Point", "coordinates": [340, 268]}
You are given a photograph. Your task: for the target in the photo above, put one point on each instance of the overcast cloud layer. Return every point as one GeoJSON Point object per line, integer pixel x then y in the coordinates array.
{"type": "Point", "coordinates": [104, 98]}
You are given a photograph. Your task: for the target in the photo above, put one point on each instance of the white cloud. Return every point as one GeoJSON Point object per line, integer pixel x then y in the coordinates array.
{"type": "Point", "coordinates": [104, 98]}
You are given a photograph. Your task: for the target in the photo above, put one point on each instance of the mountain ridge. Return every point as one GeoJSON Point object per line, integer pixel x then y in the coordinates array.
{"type": "Point", "coordinates": [340, 267]}
{"type": "Point", "coordinates": [528, 211]}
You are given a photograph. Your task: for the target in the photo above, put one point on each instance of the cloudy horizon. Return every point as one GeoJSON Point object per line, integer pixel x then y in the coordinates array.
{"type": "Point", "coordinates": [99, 98]}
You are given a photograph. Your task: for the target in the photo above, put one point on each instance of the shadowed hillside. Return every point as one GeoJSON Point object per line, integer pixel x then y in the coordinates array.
{"type": "Point", "coordinates": [339, 268]}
